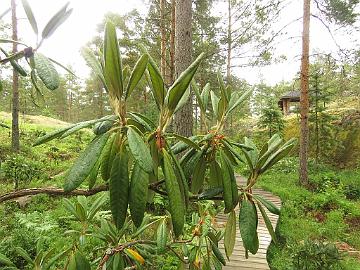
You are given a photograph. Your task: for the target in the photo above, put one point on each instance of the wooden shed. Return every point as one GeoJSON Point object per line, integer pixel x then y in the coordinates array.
{"type": "Point", "coordinates": [287, 99]}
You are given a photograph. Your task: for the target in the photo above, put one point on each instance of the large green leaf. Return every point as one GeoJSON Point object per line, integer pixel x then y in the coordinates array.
{"type": "Point", "coordinates": [282, 152]}
{"type": "Point", "coordinates": [161, 236]}
{"type": "Point", "coordinates": [138, 194]}
{"type": "Point", "coordinates": [56, 21]}
{"type": "Point", "coordinates": [239, 101]}
{"type": "Point", "coordinates": [140, 150]}
{"type": "Point", "coordinates": [19, 69]}
{"type": "Point", "coordinates": [46, 71]}
{"type": "Point", "coordinates": [112, 62]}
{"type": "Point", "coordinates": [215, 175]}
{"type": "Point", "coordinates": [227, 182]}
{"type": "Point", "coordinates": [205, 96]}
{"type": "Point", "coordinates": [248, 219]}
{"type": "Point", "coordinates": [86, 124]}
{"type": "Point", "coordinates": [85, 163]}
{"type": "Point", "coordinates": [230, 234]}
{"type": "Point", "coordinates": [106, 158]}
{"type": "Point", "coordinates": [158, 86]}
{"type": "Point", "coordinates": [93, 63]}
{"type": "Point", "coordinates": [136, 74]}
{"type": "Point", "coordinates": [214, 103]}
{"type": "Point", "coordinates": [268, 204]}
{"type": "Point", "coordinates": [177, 206]}
{"type": "Point", "coordinates": [196, 90]}
{"type": "Point", "coordinates": [180, 86]}
{"type": "Point", "coordinates": [197, 180]}
{"type": "Point", "coordinates": [267, 222]}
{"type": "Point", "coordinates": [30, 15]}
{"type": "Point", "coordinates": [119, 188]}
{"type": "Point", "coordinates": [52, 135]}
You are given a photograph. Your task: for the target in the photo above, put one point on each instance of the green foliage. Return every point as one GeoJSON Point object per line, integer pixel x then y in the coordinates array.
{"type": "Point", "coordinates": [20, 170]}
{"type": "Point", "coordinates": [272, 119]}
{"type": "Point", "coordinates": [314, 255]}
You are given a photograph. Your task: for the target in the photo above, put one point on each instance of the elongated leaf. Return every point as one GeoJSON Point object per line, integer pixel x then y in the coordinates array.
{"type": "Point", "coordinates": [5, 40]}
{"type": "Point", "coordinates": [92, 177]}
{"type": "Point", "coordinates": [224, 94]}
{"type": "Point", "coordinates": [197, 180]}
{"type": "Point", "coordinates": [84, 164]}
{"type": "Point", "coordinates": [136, 74]}
{"type": "Point", "coordinates": [210, 193]}
{"type": "Point", "coordinates": [5, 260]}
{"type": "Point", "coordinates": [268, 149]}
{"type": "Point", "coordinates": [107, 158]}
{"type": "Point", "coordinates": [138, 194]}
{"type": "Point", "coordinates": [93, 63]}
{"type": "Point", "coordinates": [180, 86]}
{"type": "Point", "coordinates": [239, 101]}
{"type": "Point", "coordinates": [158, 86]}
{"type": "Point", "coordinates": [187, 141]}
{"type": "Point", "coordinates": [248, 225]}
{"type": "Point", "coordinates": [230, 234]}
{"type": "Point", "coordinates": [143, 120]}
{"type": "Point", "coordinates": [56, 21]}
{"type": "Point", "coordinates": [205, 96]}
{"type": "Point", "coordinates": [140, 150]}
{"type": "Point", "coordinates": [196, 90]}
{"type": "Point", "coordinates": [267, 222]}
{"type": "Point", "coordinates": [227, 182]}
{"type": "Point", "coordinates": [30, 15]}
{"type": "Point", "coordinates": [86, 124]}
{"type": "Point", "coordinates": [119, 188]}
{"type": "Point", "coordinates": [282, 152]}
{"type": "Point", "coordinates": [15, 64]}
{"type": "Point", "coordinates": [214, 103]}
{"type": "Point", "coordinates": [113, 65]}
{"type": "Point", "coordinates": [81, 262]}
{"type": "Point", "coordinates": [46, 71]}
{"type": "Point", "coordinates": [161, 236]}
{"type": "Point", "coordinates": [52, 135]}
{"type": "Point", "coordinates": [133, 254]}
{"type": "Point", "coordinates": [217, 253]}
{"type": "Point", "coordinates": [96, 205]}
{"type": "Point", "coordinates": [23, 253]}
{"type": "Point", "coordinates": [63, 67]}
{"type": "Point", "coordinates": [177, 207]}
{"type": "Point", "coordinates": [269, 205]}
{"type": "Point", "coordinates": [215, 176]}
{"type": "Point", "coordinates": [182, 182]}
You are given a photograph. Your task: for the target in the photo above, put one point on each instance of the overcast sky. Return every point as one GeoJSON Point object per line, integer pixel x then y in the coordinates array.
{"type": "Point", "coordinates": [64, 45]}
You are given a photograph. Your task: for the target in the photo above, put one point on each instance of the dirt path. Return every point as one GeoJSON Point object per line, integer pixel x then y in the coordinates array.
{"type": "Point", "coordinates": [258, 261]}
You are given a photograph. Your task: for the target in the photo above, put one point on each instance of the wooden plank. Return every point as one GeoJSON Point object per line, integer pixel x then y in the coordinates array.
{"type": "Point", "coordinates": [257, 261]}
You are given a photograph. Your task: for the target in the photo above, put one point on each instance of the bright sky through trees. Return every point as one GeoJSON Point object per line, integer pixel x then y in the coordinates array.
{"type": "Point", "coordinates": [81, 27]}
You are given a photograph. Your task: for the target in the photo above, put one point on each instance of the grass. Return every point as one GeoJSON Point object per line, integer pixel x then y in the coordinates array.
{"type": "Point", "coordinates": [323, 214]}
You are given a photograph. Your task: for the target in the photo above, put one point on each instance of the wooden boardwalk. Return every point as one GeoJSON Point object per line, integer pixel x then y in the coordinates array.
{"type": "Point", "coordinates": [257, 261]}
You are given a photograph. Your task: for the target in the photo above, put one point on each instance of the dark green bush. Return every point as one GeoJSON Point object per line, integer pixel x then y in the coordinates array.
{"type": "Point", "coordinates": [313, 255]}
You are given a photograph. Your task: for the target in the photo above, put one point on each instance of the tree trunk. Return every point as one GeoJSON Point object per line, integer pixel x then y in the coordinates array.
{"type": "Point", "coordinates": [183, 120]}
{"type": "Point", "coordinates": [229, 41]}
{"type": "Point", "coordinates": [172, 43]}
{"type": "Point", "coordinates": [163, 40]}
{"type": "Point", "coordinates": [304, 97]}
{"type": "Point", "coordinates": [228, 62]}
{"type": "Point", "coordinates": [317, 131]}
{"type": "Point", "coordinates": [15, 133]}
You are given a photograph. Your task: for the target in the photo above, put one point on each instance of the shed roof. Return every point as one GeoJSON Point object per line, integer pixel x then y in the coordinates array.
{"type": "Point", "coordinates": [291, 95]}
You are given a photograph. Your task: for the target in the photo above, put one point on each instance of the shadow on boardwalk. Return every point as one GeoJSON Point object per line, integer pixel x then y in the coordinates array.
{"type": "Point", "coordinates": [257, 261]}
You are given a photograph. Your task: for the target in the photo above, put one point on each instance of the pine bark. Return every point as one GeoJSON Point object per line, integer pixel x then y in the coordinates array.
{"type": "Point", "coordinates": [15, 133]}
{"type": "Point", "coordinates": [172, 43]}
{"type": "Point", "coordinates": [304, 97]}
{"type": "Point", "coordinates": [163, 40]}
{"type": "Point", "coordinates": [183, 120]}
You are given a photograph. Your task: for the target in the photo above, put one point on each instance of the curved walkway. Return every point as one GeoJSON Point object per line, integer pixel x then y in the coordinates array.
{"type": "Point", "coordinates": [257, 261]}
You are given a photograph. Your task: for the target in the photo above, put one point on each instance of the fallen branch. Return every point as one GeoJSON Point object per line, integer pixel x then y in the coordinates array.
{"type": "Point", "coordinates": [52, 192]}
